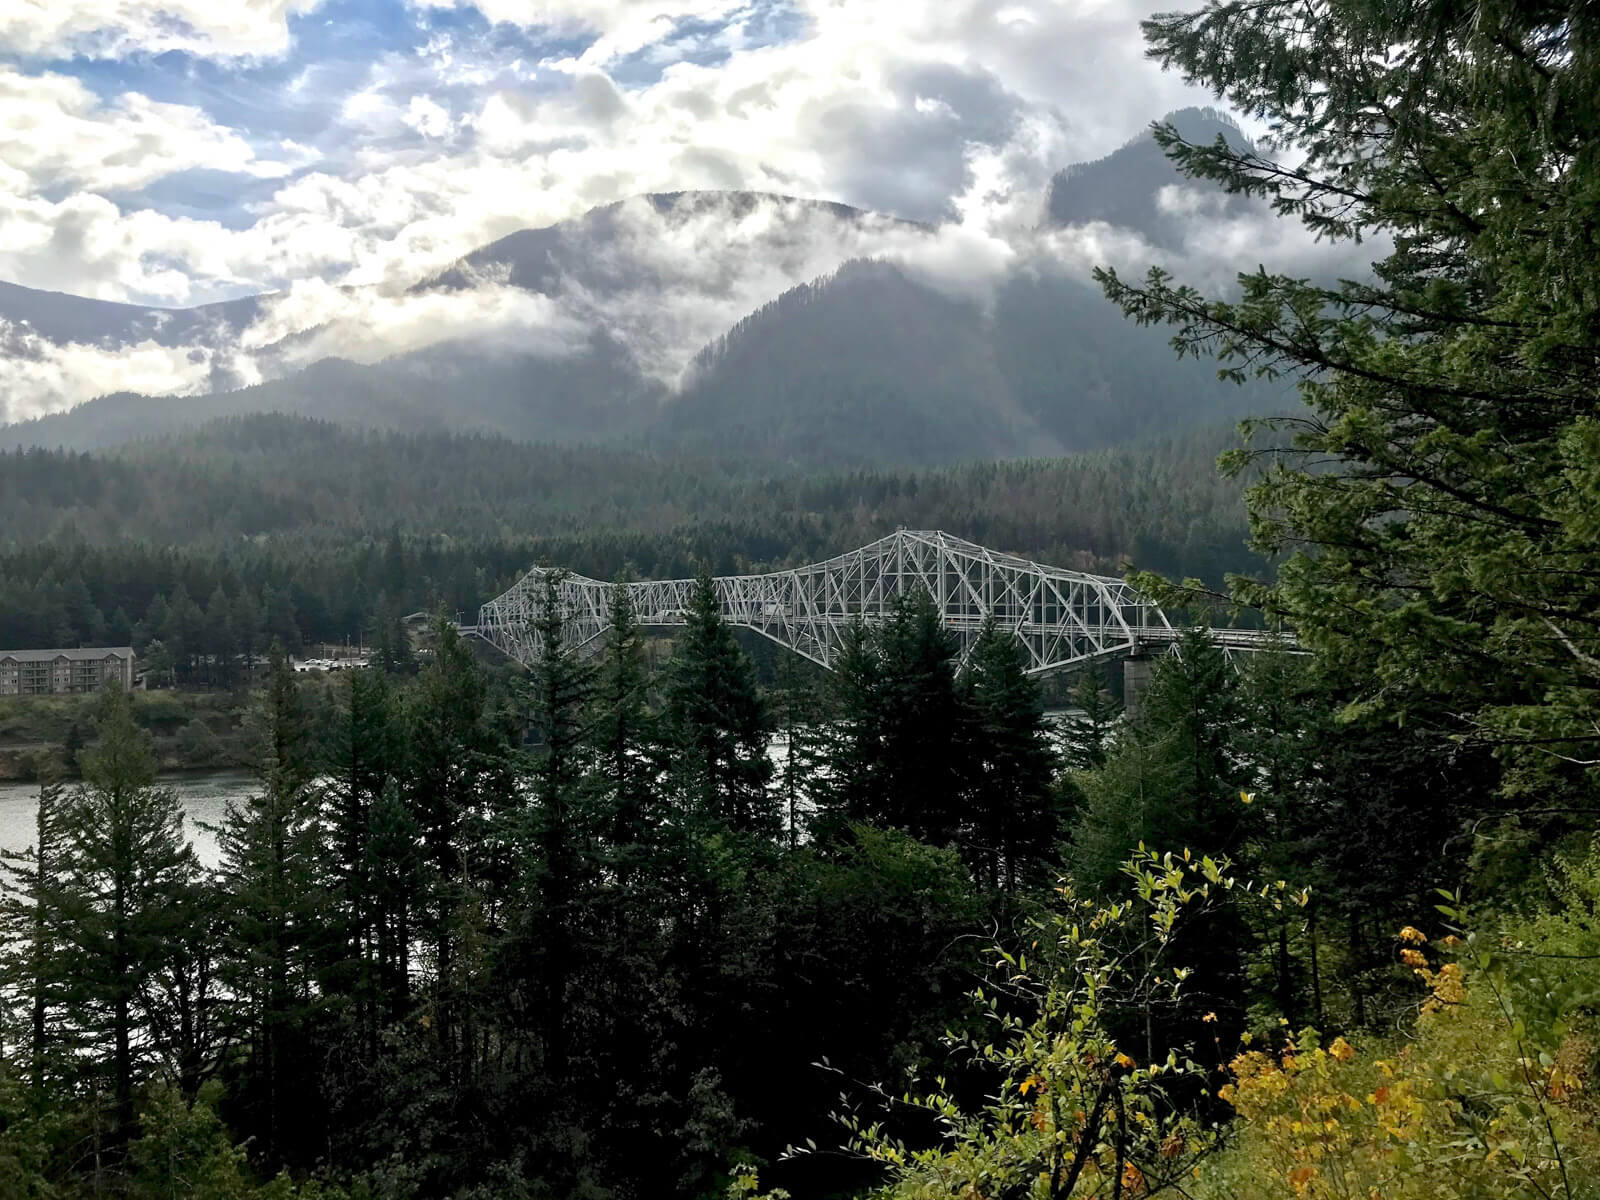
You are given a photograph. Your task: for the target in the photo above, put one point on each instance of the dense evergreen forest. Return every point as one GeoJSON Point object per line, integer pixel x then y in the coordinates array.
{"type": "Point", "coordinates": [582, 934]}
{"type": "Point", "coordinates": [280, 528]}
{"type": "Point", "coordinates": [1320, 923]}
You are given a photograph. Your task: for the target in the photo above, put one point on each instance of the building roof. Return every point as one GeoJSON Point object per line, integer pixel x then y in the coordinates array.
{"type": "Point", "coordinates": [83, 654]}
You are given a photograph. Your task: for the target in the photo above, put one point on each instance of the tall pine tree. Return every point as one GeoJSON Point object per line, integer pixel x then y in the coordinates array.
{"type": "Point", "coordinates": [273, 849]}
{"type": "Point", "coordinates": [716, 724]}
{"type": "Point", "coordinates": [125, 867]}
{"type": "Point", "coordinates": [30, 924]}
{"type": "Point", "coordinates": [560, 844]}
{"type": "Point", "coordinates": [1011, 823]}
{"type": "Point", "coordinates": [1091, 725]}
{"type": "Point", "coordinates": [1437, 504]}
{"type": "Point", "coordinates": [902, 757]}
{"type": "Point", "coordinates": [621, 732]}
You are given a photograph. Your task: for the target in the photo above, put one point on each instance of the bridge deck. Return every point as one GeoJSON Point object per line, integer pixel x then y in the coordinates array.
{"type": "Point", "coordinates": [1061, 618]}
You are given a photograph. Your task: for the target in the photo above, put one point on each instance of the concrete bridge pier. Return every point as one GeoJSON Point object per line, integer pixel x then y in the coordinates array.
{"type": "Point", "coordinates": [1136, 671]}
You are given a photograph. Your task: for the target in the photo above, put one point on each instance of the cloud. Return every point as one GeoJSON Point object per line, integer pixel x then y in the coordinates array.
{"type": "Point", "coordinates": [622, 27]}
{"type": "Point", "coordinates": [114, 28]}
{"type": "Point", "coordinates": [878, 104]}
{"type": "Point", "coordinates": [954, 112]}
{"type": "Point", "coordinates": [54, 131]}
{"type": "Point", "coordinates": [39, 377]}
{"type": "Point", "coordinates": [309, 322]}
{"type": "Point", "coordinates": [428, 117]}
{"type": "Point", "coordinates": [313, 320]}
{"type": "Point", "coordinates": [663, 281]}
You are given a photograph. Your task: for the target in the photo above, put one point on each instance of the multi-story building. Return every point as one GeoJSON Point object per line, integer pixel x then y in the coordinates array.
{"type": "Point", "coordinates": [49, 672]}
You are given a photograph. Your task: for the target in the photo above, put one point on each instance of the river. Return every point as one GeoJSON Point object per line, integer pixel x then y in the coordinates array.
{"type": "Point", "coordinates": [203, 794]}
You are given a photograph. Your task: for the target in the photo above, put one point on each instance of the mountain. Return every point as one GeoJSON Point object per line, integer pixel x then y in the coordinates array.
{"type": "Point", "coordinates": [598, 252]}
{"type": "Point", "coordinates": [597, 398]}
{"type": "Point", "coordinates": [864, 366]}
{"type": "Point", "coordinates": [643, 283]}
{"type": "Point", "coordinates": [769, 327]}
{"type": "Point", "coordinates": [60, 318]}
{"type": "Point", "coordinates": [869, 365]}
{"type": "Point", "coordinates": [1124, 188]}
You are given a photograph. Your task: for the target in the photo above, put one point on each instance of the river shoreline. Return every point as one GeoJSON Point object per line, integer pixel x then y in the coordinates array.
{"type": "Point", "coordinates": [189, 731]}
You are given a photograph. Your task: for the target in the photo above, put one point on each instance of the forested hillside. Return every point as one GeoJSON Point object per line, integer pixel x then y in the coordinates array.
{"type": "Point", "coordinates": [324, 533]}
{"type": "Point", "coordinates": [870, 366]}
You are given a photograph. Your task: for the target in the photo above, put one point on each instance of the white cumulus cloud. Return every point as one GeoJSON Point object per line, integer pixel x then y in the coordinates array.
{"type": "Point", "coordinates": [54, 130]}
{"type": "Point", "coordinates": [112, 28]}
{"type": "Point", "coordinates": [313, 320]}
{"type": "Point", "coordinates": [39, 377]}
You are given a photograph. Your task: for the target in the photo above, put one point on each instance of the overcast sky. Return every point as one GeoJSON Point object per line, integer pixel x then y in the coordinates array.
{"type": "Point", "coordinates": [182, 151]}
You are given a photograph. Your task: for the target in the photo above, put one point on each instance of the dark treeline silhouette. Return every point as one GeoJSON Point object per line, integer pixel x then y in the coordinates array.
{"type": "Point", "coordinates": [590, 931]}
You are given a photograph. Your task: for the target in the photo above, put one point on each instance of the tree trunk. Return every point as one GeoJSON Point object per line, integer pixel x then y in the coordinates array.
{"type": "Point", "coordinates": [40, 948]}
{"type": "Point", "coordinates": [1356, 995]}
{"type": "Point", "coordinates": [1286, 1004]}
{"type": "Point", "coordinates": [1316, 968]}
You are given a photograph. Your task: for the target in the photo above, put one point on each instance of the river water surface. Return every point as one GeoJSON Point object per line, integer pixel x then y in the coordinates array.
{"type": "Point", "coordinates": [203, 794]}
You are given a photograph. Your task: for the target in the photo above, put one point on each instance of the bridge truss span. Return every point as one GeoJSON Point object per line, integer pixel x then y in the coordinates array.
{"type": "Point", "coordinates": [1061, 618]}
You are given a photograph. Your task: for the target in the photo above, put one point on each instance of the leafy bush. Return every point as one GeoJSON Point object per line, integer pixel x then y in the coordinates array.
{"type": "Point", "coordinates": [1481, 1104]}
{"type": "Point", "coordinates": [1070, 1112]}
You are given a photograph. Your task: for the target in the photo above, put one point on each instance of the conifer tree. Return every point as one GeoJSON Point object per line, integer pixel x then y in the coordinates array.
{"type": "Point", "coordinates": [392, 647]}
{"type": "Point", "coordinates": [1192, 706]}
{"type": "Point", "coordinates": [851, 783]}
{"type": "Point", "coordinates": [800, 718]}
{"type": "Point", "coordinates": [218, 642]}
{"type": "Point", "coordinates": [396, 876]}
{"type": "Point", "coordinates": [1286, 714]}
{"type": "Point", "coordinates": [1437, 504]}
{"type": "Point", "coordinates": [924, 739]}
{"type": "Point", "coordinates": [560, 844]}
{"type": "Point", "coordinates": [620, 733]}
{"type": "Point", "coordinates": [249, 625]}
{"type": "Point", "coordinates": [30, 924]}
{"type": "Point", "coordinates": [272, 852]}
{"type": "Point", "coordinates": [1088, 731]}
{"type": "Point", "coordinates": [364, 759]}
{"type": "Point", "coordinates": [125, 865]}
{"type": "Point", "coordinates": [900, 749]}
{"type": "Point", "coordinates": [1176, 780]}
{"type": "Point", "coordinates": [1011, 823]}
{"type": "Point", "coordinates": [716, 723]}
{"type": "Point", "coordinates": [454, 763]}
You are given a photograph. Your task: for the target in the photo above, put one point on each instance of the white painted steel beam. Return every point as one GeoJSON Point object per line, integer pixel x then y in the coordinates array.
{"type": "Point", "coordinates": [1062, 618]}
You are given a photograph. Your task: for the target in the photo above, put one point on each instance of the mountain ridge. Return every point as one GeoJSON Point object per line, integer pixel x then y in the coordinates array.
{"type": "Point", "coordinates": [855, 360]}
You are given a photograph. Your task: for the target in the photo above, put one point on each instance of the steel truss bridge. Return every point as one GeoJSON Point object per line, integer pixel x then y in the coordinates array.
{"type": "Point", "coordinates": [1061, 618]}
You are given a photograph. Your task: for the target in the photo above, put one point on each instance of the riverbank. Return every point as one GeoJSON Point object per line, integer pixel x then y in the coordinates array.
{"type": "Point", "coordinates": [190, 731]}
